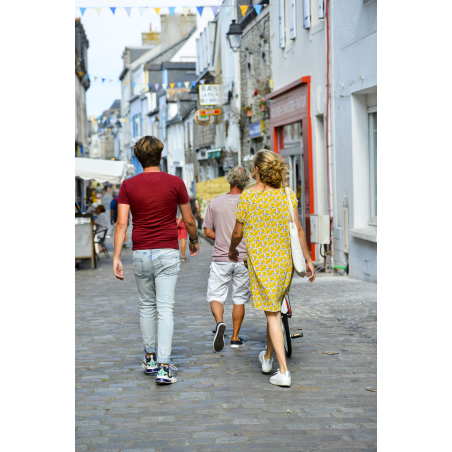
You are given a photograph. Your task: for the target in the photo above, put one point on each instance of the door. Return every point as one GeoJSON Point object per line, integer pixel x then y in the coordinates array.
{"type": "Point", "coordinates": [292, 150]}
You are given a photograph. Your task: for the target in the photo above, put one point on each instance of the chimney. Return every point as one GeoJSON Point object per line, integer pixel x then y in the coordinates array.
{"type": "Point", "coordinates": [151, 38]}
{"type": "Point", "coordinates": [175, 28]}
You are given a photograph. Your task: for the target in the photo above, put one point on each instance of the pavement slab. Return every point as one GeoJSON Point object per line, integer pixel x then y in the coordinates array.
{"type": "Point", "coordinates": [222, 401]}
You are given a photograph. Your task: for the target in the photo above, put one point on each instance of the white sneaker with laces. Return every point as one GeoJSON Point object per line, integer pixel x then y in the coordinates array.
{"type": "Point", "coordinates": [266, 363]}
{"type": "Point", "coordinates": [280, 379]}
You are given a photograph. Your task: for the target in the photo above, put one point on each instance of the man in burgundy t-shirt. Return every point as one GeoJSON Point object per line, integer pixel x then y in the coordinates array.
{"type": "Point", "coordinates": [153, 197]}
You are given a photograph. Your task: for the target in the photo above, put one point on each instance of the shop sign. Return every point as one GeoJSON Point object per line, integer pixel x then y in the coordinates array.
{"type": "Point", "coordinates": [257, 129]}
{"type": "Point", "coordinates": [209, 94]}
{"type": "Point", "coordinates": [202, 120]}
{"type": "Point", "coordinates": [211, 112]}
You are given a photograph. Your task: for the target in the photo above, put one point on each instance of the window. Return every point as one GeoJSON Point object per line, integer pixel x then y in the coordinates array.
{"type": "Point", "coordinates": [373, 166]}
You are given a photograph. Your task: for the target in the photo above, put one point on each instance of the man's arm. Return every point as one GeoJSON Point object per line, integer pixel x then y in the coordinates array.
{"type": "Point", "coordinates": [209, 233]}
{"type": "Point", "coordinates": [237, 235]}
{"type": "Point", "coordinates": [120, 233]}
{"type": "Point", "coordinates": [190, 225]}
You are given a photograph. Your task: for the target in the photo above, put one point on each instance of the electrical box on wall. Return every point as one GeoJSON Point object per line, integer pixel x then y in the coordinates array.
{"type": "Point", "coordinates": [320, 229]}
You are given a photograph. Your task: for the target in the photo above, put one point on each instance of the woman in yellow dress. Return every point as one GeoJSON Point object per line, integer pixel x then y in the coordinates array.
{"type": "Point", "coordinates": [263, 221]}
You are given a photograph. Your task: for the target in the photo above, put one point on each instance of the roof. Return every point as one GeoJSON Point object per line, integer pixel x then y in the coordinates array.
{"type": "Point", "coordinates": [178, 65]}
{"type": "Point", "coordinates": [116, 105]}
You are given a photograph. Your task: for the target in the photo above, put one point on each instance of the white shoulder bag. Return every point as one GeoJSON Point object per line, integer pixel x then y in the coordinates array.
{"type": "Point", "coordinates": [298, 259]}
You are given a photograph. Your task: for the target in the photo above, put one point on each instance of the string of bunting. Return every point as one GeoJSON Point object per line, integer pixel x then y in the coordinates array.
{"type": "Point", "coordinates": [172, 9]}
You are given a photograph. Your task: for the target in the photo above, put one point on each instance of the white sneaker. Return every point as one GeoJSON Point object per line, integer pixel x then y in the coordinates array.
{"type": "Point", "coordinates": [266, 363]}
{"type": "Point", "coordinates": [280, 379]}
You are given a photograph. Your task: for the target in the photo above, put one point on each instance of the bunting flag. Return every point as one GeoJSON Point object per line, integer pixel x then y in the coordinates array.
{"type": "Point", "coordinates": [171, 10]}
{"type": "Point", "coordinates": [172, 85]}
{"type": "Point", "coordinates": [228, 10]}
{"type": "Point", "coordinates": [113, 10]}
{"type": "Point", "coordinates": [95, 78]}
{"type": "Point", "coordinates": [141, 11]}
{"type": "Point", "coordinates": [98, 11]}
{"type": "Point", "coordinates": [82, 11]}
{"type": "Point", "coordinates": [214, 10]}
{"type": "Point", "coordinates": [126, 120]}
{"type": "Point", "coordinates": [243, 8]}
{"type": "Point", "coordinates": [156, 85]}
{"type": "Point", "coordinates": [128, 10]}
{"type": "Point", "coordinates": [200, 9]}
{"type": "Point", "coordinates": [185, 10]}
{"type": "Point", "coordinates": [258, 9]}
{"type": "Point", "coordinates": [103, 80]}
{"type": "Point", "coordinates": [202, 82]}
{"type": "Point", "coordinates": [164, 85]}
{"type": "Point", "coordinates": [179, 84]}
{"type": "Point", "coordinates": [193, 84]}
{"type": "Point", "coordinates": [125, 83]}
{"type": "Point", "coordinates": [80, 74]}
{"type": "Point", "coordinates": [157, 10]}
{"type": "Point", "coordinates": [149, 86]}
{"type": "Point", "coordinates": [187, 84]}
{"type": "Point", "coordinates": [134, 84]}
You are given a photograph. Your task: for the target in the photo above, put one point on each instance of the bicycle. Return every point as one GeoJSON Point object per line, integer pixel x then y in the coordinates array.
{"type": "Point", "coordinates": [286, 314]}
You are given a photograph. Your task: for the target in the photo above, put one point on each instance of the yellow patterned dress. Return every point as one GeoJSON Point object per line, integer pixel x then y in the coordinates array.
{"type": "Point", "coordinates": [265, 217]}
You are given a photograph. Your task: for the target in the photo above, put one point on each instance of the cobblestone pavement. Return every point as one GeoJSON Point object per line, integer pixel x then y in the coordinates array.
{"type": "Point", "coordinates": [223, 401]}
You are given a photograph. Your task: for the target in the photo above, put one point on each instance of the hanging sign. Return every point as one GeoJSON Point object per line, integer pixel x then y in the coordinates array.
{"type": "Point", "coordinates": [202, 120]}
{"type": "Point", "coordinates": [209, 94]}
{"type": "Point", "coordinates": [212, 112]}
{"type": "Point", "coordinates": [257, 129]}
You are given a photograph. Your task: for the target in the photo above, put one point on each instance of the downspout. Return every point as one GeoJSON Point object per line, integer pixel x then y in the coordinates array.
{"type": "Point", "coordinates": [327, 137]}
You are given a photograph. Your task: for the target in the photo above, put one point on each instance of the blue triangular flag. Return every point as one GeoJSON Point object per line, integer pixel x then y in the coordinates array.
{"type": "Point", "coordinates": [103, 80]}
{"type": "Point", "coordinates": [228, 10]}
{"type": "Point", "coordinates": [171, 10]}
{"type": "Point", "coordinates": [134, 84]}
{"type": "Point", "coordinates": [149, 86]}
{"type": "Point", "coordinates": [193, 84]}
{"type": "Point", "coordinates": [200, 9]}
{"type": "Point", "coordinates": [214, 10]}
{"type": "Point", "coordinates": [258, 8]}
{"type": "Point", "coordinates": [179, 84]}
{"type": "Point", "coordinates": [82, 10]}
{"type": "Point", "coordinates": [128, 10]}
{"type": "Point", "coordinates": [113, 10]}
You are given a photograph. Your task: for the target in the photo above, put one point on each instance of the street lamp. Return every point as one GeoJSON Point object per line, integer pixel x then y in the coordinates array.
{"type": "Point", "coordinates": [234, 36]}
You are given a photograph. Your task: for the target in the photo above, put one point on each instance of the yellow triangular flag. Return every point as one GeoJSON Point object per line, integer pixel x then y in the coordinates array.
{"type": "Point", "coordinates": [185, 10]}
{"type": "Point", "coordinates": [108, 130]}
{"type": "Point", "coordinates": [125, 83]}
{"type": "Point", "coordinates": [172, 85]}
{"type": "Point", "coordinates": [157, 10]}
{"type": "Point", "coordinates": [126, 119]}
{"type": "Point", "coordinates": [98, 10]}
{"type": "Point", "coordinates": [243, 8]}
{"type": "Point", "coordinates": [80, 74]}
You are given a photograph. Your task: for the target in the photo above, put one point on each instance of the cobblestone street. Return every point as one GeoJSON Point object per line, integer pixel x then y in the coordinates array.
{"type": "Point", "coordinates": [223, 401]}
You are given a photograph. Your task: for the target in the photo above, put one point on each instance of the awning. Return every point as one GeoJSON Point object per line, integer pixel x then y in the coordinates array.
{"type": "Point", "coordinates": [214, 153]}
{"type": "Point", "coordinates": [103, 170]}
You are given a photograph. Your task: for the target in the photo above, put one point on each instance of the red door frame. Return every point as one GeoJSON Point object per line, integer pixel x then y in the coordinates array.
{"type": "Point", "coordinates": [279, 144]}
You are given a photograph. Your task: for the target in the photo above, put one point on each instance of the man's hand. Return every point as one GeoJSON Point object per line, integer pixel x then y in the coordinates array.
{"type": "Point", "coordinates": [234, 255]}
{"type": "Point", "coordinates": [310, 272]}
{"type": "Point", "coordinates": [117, 269]}
{"type": "Point", "coordinates": [194, 249]}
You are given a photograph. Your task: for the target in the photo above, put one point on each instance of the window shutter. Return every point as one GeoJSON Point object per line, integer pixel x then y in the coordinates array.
{"type": "Point", "coordinates": [306, 14]}
{"type": "Point", "coordinates": [282, 40]}
{"type": "Point", "coordinates": [293, 20]}
{"type": "Point", "coordinates": [321, 9]}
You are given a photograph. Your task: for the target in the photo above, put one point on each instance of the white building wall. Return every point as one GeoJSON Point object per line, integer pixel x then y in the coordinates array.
{"type": "Point", "coordinates": [354, 61]}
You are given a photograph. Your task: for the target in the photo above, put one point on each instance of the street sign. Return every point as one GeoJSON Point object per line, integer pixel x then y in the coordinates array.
{"type": "Point", "coordinates": [209, 94]}
{"type": "Point", "coordinates": [202, 120]}
{"type": "Point", "coordinates": [212, 112]}
{"type": "Point", "coordinates": [257, 129]}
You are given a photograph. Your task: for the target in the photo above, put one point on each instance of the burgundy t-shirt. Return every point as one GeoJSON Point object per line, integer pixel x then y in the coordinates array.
{"type": "Point", "coordinates": [153, 200]}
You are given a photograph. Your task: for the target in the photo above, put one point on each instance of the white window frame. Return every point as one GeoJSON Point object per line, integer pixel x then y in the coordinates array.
{"type": "Point", "coordinates": [306, 14]}
{"type": "Point", "coordinates": [292, 19]}
{"type": "Point", "coordinates": [372, 169]}
{"type": "Point", "coordinates": [282, 25]}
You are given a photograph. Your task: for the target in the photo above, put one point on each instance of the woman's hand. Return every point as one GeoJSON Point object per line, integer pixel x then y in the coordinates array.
{"type": "Point", "coordinates": [310, 272]}
{"type": "Point", "coordinates": [117, 269]}
{"type": "Point", "coordinates": [233, 255]}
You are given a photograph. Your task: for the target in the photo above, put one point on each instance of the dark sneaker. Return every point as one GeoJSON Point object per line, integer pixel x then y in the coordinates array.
{"type": "Point", "coordinates": [149, 365]}
{"type": "Point", "coordinates": [218, 340]}
{"type": "Point", "coordinates": [237, 344]}
{"type": "Point", "coordinates": [164, 376]}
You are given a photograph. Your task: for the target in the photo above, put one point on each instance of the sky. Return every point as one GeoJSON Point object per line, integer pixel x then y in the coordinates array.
{"type": "Point", "coordinates": [108, 34]}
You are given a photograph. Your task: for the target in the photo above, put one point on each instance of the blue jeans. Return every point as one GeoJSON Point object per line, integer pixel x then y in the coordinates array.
{"type": "Point", "coordinates": [156, 276]}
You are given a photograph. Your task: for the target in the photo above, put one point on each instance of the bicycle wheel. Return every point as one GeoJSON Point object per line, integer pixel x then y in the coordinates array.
{"type": "Point", "coordinates": [286, 335]}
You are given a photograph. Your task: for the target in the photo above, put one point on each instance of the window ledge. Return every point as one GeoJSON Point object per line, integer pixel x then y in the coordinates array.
{"type": "Point", "coordinates": [367, 233]}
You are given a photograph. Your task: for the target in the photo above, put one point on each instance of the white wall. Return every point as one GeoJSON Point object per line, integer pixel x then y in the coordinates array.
{"type": "Point", "coordinates": [354, 61]}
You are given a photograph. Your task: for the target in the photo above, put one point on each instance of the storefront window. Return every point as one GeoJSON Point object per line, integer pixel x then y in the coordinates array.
{"type": "Point", "coordinates": [292, 135]}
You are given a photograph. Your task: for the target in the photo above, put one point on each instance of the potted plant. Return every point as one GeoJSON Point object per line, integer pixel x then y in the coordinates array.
{"type": "Point", "coordinates": [248, 110]}
{"type": "Point", "coordinates": [263, 104]}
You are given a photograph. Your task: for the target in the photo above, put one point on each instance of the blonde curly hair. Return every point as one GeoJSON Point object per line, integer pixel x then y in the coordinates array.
{"type": "Point", "coordinates": [273, 170]}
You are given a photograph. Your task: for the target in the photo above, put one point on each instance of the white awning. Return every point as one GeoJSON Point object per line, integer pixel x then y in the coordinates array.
{"type": "Point", "coordinates": [103, 170]}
